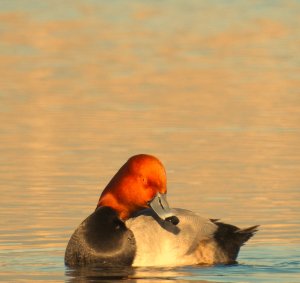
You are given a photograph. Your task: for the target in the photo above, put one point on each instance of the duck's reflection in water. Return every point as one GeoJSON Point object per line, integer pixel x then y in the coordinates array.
{"type": "Point", "coordinates": [128, 274]}
{"type": "Point", "coordinates": [94, 274]}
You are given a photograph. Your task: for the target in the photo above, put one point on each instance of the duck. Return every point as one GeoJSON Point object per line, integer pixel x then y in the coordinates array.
{"type": "Point", "coordinates": [133, 225]}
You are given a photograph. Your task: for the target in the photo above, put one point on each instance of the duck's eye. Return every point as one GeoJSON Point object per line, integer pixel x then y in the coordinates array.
{"type": "Point", "coordinates": [144, 180]}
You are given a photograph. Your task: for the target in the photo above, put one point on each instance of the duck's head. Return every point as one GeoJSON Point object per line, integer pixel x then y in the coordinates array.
{"type": "Point", "coordinates": [140, 183]}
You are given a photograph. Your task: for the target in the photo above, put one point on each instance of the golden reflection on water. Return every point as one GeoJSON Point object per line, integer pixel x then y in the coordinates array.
{"type": "Point", "coordinates": [214, 95]}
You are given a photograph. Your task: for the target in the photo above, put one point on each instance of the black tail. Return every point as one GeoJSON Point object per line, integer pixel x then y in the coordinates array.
{"type": "Point", "coordinates": [247, 233]}
{"type": "Point", "coordinates": [230, 238]}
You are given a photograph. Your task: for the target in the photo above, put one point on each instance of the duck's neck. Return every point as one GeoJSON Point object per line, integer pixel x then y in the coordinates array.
{"type": "Point", "coordinates": [110, 200]}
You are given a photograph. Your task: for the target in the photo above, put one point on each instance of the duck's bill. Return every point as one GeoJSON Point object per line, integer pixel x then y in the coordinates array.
{"type": "Point", "coordinates": [161, 207]}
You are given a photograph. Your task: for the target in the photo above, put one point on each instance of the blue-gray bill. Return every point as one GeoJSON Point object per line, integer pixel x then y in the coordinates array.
{"type": "Point", "coordinates": [161, 207]}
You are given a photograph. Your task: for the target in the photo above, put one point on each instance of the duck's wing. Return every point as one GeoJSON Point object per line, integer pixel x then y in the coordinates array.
{"type": "Point", "coordinates": [194, 240]}
{"type": "Point", "coordinates": [162, 243]}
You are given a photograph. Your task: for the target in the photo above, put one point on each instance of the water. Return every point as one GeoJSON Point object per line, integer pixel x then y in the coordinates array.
{"type": "Point", "coordinates": [209, 87]}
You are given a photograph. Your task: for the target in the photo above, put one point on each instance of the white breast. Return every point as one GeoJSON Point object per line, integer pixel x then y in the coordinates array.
{"type": "Point", "coordinates": [160, 243]}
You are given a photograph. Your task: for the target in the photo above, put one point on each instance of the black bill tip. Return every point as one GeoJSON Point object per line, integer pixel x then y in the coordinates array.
{"type": "Point", "coordinates": [173, 219]}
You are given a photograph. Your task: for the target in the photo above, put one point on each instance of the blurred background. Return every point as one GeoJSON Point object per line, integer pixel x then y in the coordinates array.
{"type": "Point", "coordinates": [212, 88]}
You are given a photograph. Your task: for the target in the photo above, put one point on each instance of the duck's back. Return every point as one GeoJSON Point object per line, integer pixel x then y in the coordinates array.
{"type": "Point", "coordinates": [195, 240]}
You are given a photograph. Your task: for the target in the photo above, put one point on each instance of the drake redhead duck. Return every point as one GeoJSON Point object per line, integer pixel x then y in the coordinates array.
{"type": "Point", "coordinates": [133, 225]}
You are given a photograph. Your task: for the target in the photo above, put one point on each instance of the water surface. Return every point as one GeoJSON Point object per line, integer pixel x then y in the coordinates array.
{"type": "Point", "coordinates": [211, 88]}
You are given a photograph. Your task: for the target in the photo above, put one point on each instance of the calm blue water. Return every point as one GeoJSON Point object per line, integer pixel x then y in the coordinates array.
{"type": "Point", "coordinates": [209, 87]}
